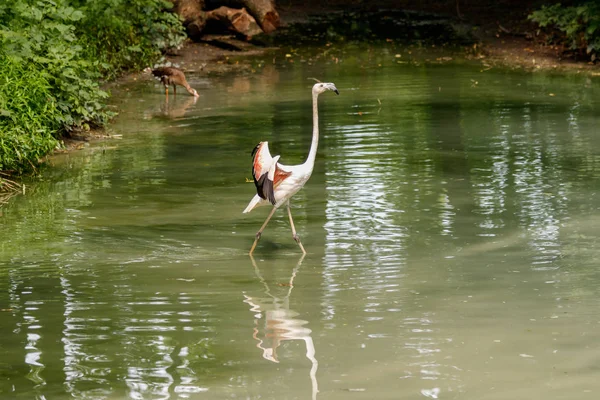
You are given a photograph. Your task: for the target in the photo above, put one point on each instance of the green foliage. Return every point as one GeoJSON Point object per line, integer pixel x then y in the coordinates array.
{"type": "Point", "coordinates": [28, 111]}
{"type": "Point", "coordinates": [53, 54]}
{"type": "Point", "coordinates": [580, 25]}
{"type": "Point", "coordinates": [42, 36]}
{"type": "Point", "coordinates": [123, 34]}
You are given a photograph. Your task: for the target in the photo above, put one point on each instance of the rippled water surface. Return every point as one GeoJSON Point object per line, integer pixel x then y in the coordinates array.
{"type": "Point", "coordinates": [452, 225]}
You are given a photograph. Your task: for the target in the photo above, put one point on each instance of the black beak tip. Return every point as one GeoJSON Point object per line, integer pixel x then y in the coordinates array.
{"type": "Point", "coordinates": [336, 92]}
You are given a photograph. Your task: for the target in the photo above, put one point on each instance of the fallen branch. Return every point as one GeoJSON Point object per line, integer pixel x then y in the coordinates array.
{"type": "Point", "coordinates": [236, 20]}
{"type": "Point", "coordinates": [245, 18]}
{"type": "Point", "coordinates": [194, 19]}
{"type": "Point", "coordinates": [508, 32]}
{"type": "Point", "coordinates": [263, 11]}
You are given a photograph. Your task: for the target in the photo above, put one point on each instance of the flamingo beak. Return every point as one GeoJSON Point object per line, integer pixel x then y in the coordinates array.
{"type": "Point", "coordinates": [336, 91]}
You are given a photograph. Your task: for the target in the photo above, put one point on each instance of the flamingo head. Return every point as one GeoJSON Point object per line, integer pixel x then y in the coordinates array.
{"type": "Point", "coordinates": [320, 87]}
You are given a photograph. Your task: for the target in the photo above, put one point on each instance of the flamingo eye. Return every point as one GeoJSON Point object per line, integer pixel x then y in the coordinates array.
{"type": "Point", "coordinates": [321, 85]}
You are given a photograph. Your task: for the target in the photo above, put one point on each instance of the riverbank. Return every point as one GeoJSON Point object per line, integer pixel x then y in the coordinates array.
{"type": "Point", "coordinates": [508, 45]}
{"type": "Point", "coordinates": [502, 37]}
{"type": "Point", "coordinates": [508, 42]}
{"type": "Point", "coordinates": [53, 56]}
{"type": "Point", "coordinates": [504, 34]}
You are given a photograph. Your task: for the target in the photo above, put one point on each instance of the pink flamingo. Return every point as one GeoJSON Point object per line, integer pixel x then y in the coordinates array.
{"type": "Point", "coordinates": [277, 183]}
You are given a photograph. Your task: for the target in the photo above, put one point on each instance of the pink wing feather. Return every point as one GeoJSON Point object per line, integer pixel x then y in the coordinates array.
{"type": "Point", "coordinates": [262, 164]}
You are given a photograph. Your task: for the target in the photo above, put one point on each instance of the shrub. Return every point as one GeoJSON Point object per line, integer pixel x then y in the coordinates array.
{"type": "Point", "coordinates": [28, 114]}
{"type": "Point", "coordinates": [580, 25]}
{"type": "Point", "coordinates": [52, 55]}
{"type": "Point", "coordinates": [48, 88]}
{"type": "Point", "coordinates": [124, 34]}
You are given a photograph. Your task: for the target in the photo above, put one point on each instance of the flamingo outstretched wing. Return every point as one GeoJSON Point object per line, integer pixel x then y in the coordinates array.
{"type": "Point", "coordinates": [266, 171]}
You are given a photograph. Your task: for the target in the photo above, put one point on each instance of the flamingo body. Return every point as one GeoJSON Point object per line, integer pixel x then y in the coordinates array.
{"type": "Point", "coordinates": [277, 183]}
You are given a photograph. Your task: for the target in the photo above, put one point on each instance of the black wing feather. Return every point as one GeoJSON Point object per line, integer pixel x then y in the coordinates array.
{"type": "Point", "coordinates": [264, 186]}
{"type": "Point", "coordinates": [255, 149]}
{"type": "Point", "coordinates": [259, 183]}
{"type": "Point", "coordinates": [268, 190]}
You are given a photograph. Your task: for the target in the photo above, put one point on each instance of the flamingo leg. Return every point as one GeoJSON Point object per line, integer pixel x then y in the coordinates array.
{"type": "Point", "coordinates": [260, 231]}
{"type": "Point", "coordinates": [174, 90]}
{"type": "Point", "coordinates": [294, 234]}
{"type": "Point", "coordinates": [166, 91]}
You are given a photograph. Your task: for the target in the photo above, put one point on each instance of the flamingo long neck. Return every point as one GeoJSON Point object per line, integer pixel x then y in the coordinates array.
{"type": "Point", "coordinates": [312, 154]}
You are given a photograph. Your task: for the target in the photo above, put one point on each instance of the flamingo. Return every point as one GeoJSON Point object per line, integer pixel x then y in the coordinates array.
{"type": "Point", "coordinates": [173, 76]}
{"type": "Point", "coordinates": [277, 183]}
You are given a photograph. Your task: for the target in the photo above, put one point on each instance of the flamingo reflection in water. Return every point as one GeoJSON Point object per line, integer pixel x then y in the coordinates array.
{"type": "Point", "coordinates": [279, 323]}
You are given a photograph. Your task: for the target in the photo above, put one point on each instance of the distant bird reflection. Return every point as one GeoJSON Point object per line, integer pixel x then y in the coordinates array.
{"type": "Point", "coordinates": [177, 109]}
{"type": "Point", "coordinates": [174, 109]}
{"type": "Point", "coordinates": [279, 323]}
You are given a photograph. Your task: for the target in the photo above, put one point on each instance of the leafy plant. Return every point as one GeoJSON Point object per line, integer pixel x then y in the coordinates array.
{"type": "Point", "coordinates": [28, 114]}
{"type": "Point", "coordinates": [580, 25]}
{"type": "Point", "coordinates": [53, 54]}
{"type": "Point", "coordinates": [124, 34]}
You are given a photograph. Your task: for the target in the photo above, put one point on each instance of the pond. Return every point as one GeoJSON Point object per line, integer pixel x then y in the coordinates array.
{"type": "Point", "coordinates": [451, 225]}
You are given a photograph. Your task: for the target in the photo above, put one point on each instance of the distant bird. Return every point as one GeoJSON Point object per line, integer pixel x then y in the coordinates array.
{"type": "Point", "coordinates": [173, 76]}
{"type": "Point", "coordinates": [277, 183]}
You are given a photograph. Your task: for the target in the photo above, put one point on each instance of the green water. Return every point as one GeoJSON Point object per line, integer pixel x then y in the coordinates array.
{"type": "Point", "coordinates": [451, 226]}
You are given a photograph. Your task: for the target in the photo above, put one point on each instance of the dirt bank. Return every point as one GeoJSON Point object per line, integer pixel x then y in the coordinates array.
{"type": "Point", "coordinates": [504, 35]}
